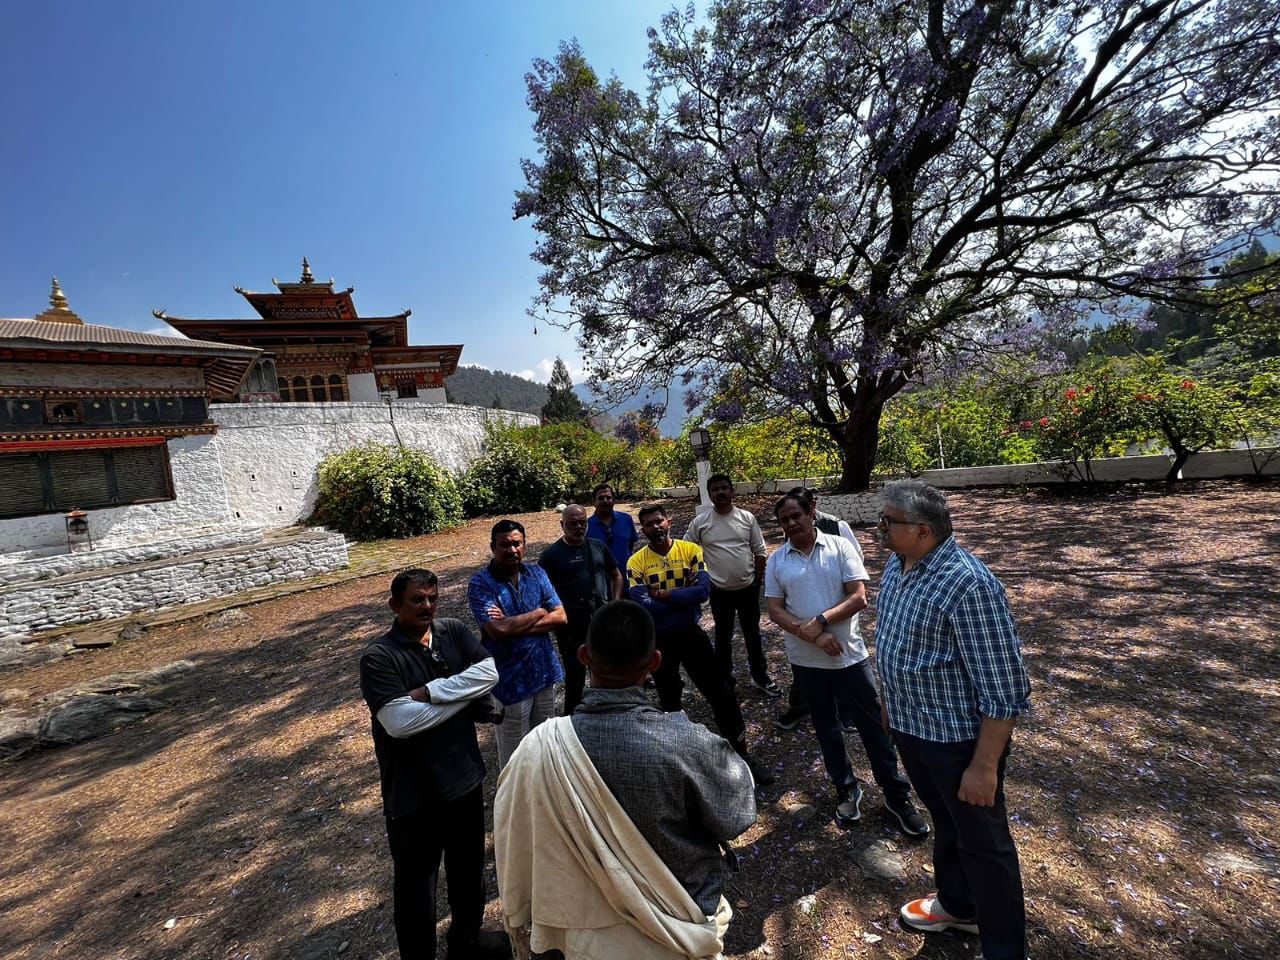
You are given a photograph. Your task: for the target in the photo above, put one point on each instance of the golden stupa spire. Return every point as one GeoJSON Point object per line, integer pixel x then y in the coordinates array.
{"type": "Point", "coordinates": [306, 272]}
{"type": "Point", "coordinates": [59, 311]}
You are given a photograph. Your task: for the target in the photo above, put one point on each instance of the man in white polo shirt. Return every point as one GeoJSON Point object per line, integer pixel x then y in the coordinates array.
{"type": "Point", "coordinates": [815, 585]}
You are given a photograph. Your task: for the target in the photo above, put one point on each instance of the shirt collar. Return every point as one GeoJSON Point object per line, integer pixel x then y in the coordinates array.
{"type": "Point", "coordinates": [939, 554]}
{"type": "Point", "coordinates": [488, 568]}
{"type": "Point", "coordinates": [792, 548]}
{"type": "Point", "coordinates": [403, 639]}
{"type": "Point", "coordinates": [605, 700]}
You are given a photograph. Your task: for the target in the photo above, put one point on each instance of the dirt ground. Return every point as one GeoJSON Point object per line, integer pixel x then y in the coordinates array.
{"type": "Point", "coordinates": [1143, 788]}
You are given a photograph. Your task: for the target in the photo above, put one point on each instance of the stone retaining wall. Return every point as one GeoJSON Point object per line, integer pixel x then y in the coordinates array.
{"type": "Point", "coordinates": [20, 569]}
{"type": "Point", "coordinates": [101, 595]}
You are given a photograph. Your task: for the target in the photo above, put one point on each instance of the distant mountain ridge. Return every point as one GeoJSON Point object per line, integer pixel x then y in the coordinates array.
{"type": "Point", "coordinates": [479, 387]}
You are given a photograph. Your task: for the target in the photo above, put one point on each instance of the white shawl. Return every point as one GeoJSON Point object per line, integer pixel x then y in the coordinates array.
{"type": "Point", "coordinates": [576, 875]}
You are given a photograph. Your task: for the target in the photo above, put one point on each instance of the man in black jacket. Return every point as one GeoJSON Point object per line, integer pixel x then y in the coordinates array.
{"type": "Point", "coordinates": [427, 682]}
{"type": "Point", "coordinates": [586, 577]}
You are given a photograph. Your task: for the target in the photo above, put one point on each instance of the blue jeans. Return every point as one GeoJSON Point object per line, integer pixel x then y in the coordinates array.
{"type": "Point", "coordinates": [850, 692]}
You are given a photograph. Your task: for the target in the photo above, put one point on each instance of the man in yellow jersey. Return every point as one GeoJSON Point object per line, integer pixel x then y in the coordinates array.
{"type": "Point", "coordinates": [670, 580]}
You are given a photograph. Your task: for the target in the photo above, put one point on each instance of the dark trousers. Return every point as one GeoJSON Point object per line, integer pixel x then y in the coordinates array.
{"type": "Point", "coordinates": [689, 646]}
{"type": "Point", "coordinates": [417, 840]}
{"type": "Point", "coordinates": [745, 605]}
{"type": "Point", "coordinates": [568, 640]}
{"type": "Point", "coordinates": [975, 862]}
{"type": "Point", "coordinates": [850, 692]}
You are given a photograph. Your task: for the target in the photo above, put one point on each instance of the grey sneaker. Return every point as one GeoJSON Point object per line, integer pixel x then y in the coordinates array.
{"type": "Point", "coordinates": [849, 808]}
{"type": "Point", "coordinates": [909, 818]}
{"type": "Point", "coordinates": [791, 719]}
{"type": "Point", "coordinates": [768, 688]}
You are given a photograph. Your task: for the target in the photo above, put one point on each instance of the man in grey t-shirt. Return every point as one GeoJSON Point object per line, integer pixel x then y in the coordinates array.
{"type": "Point", "coordinates": [815, 585]}
{"type": "Point", "coordinates": [733, 549]}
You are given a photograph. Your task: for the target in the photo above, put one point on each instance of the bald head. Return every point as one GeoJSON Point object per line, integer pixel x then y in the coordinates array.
{"type": "Point", "coordinates": [573, 521]}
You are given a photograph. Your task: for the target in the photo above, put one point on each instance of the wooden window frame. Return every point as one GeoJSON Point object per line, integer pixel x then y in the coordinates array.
{"type": "Point", "coordinates": [111, 498]}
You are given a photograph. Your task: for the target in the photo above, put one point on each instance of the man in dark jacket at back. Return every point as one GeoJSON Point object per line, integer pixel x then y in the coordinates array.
{"type": "Point", "coordinates": [586, 577]}
{"type": "Point", "coordinates": [427, 682]}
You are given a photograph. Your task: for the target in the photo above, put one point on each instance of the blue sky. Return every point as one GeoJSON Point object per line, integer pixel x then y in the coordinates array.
{"type": "Point", "coordinates": [158, 154]}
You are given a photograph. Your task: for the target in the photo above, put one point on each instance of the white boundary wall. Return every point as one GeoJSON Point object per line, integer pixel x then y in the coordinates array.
{"type": "Point", "coordinates": [270, 451]}
{"type": "Point", "coordinates": [259, 470]}
{"type": "Point", "coordinates": [199, 506]}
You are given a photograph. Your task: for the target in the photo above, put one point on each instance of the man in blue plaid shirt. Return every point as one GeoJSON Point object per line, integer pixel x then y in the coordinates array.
{"type": "Point", "coordinates": [953, 684]}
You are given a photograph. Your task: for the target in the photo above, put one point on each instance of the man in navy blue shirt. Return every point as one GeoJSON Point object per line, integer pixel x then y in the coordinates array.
{"type": "Point", "coordinates": [954, 683]}
{"type": "Point", "coordinates": [615, 529]}
{"type": "Point", "coordinates": [517, 608]}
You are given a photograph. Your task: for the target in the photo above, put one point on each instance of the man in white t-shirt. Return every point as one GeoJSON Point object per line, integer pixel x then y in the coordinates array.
{"type": "Point", "coordinates": [815, 585]}
{"type": "Point", "coordinates": [733, 549]}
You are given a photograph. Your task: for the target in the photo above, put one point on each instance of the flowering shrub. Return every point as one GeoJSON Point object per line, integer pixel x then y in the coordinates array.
{"type": "Point", "coordinates": [520, 471]}
{"type": "Point", "coordinates": [1096, 418]}
{"type": "Point", "coordinates": [375, 492]}
{"type": "Point", "coordinates": [592, 458]}
{"type": "Point", "coordinates": [1187, 414]}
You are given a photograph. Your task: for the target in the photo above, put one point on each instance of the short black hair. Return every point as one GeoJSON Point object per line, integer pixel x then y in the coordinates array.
{"type": "Point", "coordinates": [620, 636]}
{"type": "Point", "coordinates": [807, 491]}
{"type": "Point", "coordinates": [405, 578]}
{"type": "Point", "coordinates": [802, 498]}
{"type": "Point", "coordinates": [601, 486]}
{"type": "Point", "coordinates": [505, 526]}
{"type": "Point", "coordinates": [650, 508]}
{"type": "Point", "coordinates": [719, 478]}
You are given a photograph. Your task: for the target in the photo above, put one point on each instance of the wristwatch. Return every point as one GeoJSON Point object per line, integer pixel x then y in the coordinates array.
{"type": "Point", "coordinates": [822, 619]}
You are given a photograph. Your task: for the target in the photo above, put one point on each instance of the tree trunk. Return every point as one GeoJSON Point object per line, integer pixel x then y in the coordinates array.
{"type": "Point", "coordinates": [861, 441]}
{"type": "Point", "coordinates": [1180, 457]}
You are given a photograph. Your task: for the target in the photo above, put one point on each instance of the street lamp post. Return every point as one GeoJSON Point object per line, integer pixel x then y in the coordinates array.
{"type": "Point", "coordinates": [700, 440]}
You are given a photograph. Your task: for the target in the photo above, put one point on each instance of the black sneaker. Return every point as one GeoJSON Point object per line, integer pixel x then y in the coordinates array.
{"type": "Point", "coordinates": [909, 818]}
{"type": "Point", "coordinates": [488, 945]}
{"type": "Point", "coordinates": [849, 807]}
{"type": "Point", "coordinates": [792, 718]}
{"type": "Point", "coordinates": [768, 688]}
{"type": "Point", "coordinates": [759, 772]}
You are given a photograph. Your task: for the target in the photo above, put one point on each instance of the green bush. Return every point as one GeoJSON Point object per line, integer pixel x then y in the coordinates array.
{"type": "Point", "coordinates": [375, 492]}
{"type": "Point", "coordinates": [592, 458]}
{"type": "Point", "coordinates": [519, 472]}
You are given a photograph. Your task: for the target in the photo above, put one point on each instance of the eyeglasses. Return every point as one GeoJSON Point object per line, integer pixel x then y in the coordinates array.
{"type": "Point", "coordinates": [886, 522]}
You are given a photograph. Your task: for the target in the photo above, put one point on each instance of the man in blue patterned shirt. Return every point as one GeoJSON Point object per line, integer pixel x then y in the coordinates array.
{"type": "Point", "coordinates": [953, 684]}
{"type": "Point", "coordinates": [517, 608]}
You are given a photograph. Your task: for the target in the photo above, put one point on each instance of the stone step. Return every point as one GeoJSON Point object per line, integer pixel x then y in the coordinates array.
{"type": "Point", "coordinates": [27, 609]}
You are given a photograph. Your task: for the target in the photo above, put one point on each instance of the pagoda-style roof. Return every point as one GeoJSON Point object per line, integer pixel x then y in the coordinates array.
{"type": "Point", "coordinates": [225, 365]}
{"type": "Point", "coordinates": [59, 335]}
{"type": "Point", "coordinates": [309, 312]}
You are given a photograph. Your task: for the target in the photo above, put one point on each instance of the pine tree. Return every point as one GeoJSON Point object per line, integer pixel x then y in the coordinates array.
{"type": "Point", "coordinates": [563, 405]}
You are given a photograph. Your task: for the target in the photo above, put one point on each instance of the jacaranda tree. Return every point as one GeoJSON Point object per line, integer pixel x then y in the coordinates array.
{"type": "Point", "coordinates": [833, 197]}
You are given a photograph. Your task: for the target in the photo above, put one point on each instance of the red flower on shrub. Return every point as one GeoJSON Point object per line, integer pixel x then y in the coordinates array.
{"type": "Point", "coordinates": [1043, 421]}
{"type": "Point", "coordinates": [1188, 384]}
{"type": "Point", "coordinates": [1071, 394]}
{"type": "Point", "coordinates": [1025, 425]}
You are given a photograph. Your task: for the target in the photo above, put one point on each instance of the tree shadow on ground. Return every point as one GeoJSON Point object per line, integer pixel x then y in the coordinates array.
{"type": "Point", "coordinates": [247, 810]}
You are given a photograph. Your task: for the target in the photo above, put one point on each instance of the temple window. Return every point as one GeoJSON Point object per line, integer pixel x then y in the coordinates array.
{"type": "Point", "coordinates": [62, 411]}
{"type": "Point", "coordinates": [62, 480]}
{"type": "Point", "coordinates": [317, 389]}
{"type": "Point", "coordinates": [406, 389]}
{"type": "Point", "coordinates": [282, 387]}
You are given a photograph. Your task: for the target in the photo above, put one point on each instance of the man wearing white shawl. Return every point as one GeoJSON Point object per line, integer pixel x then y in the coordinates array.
{"type": "Point", "coordinates": [608, 824]}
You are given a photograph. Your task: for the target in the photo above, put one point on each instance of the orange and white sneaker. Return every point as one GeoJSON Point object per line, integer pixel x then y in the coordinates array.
{"type": "Point", "coordinates": [927, 914]}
